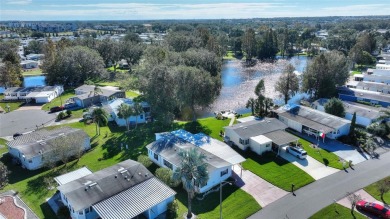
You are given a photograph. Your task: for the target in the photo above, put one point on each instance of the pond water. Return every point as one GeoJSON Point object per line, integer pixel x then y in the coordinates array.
{"type": "Point", "coordinates": [32, 81]}
{"type": "Point", "coordinates": [239, 82]}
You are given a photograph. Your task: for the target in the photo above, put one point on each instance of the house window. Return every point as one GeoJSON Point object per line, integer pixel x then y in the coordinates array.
{"type": "Point", "coordinates": [87, 210]}
{"type": "Point", "coordinates": [267, 145]}
{"type": "Point", "coordinates": [167, 164]}
{"type": "Point", "coordinates": [141, 116]}
{"type": "Point", "coordinates": [244, 142]}
{"type": "Point", "coordinates": [155, 156]}
{"type": "Point", "coordinates": [224, 172]}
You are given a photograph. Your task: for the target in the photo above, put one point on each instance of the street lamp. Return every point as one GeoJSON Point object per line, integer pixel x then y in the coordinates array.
{"type": "Point", "coordinates": [220, 196]}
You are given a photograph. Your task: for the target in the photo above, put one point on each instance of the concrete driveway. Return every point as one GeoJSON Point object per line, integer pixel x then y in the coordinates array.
{"type": "Point", "coordinates": [262, 191]}
{"type": "Point", "coordinates": [344, 151]}
{"type": "Point", "coordinates": [311, 166]}
{"type": "Point", "coordinates": [23, 121]}
{"type": "Point", "coordinates": [365, 196]}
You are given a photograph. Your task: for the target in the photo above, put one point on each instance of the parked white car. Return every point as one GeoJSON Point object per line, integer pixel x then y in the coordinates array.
{"type": "Point", "coordinates": [297, 152]}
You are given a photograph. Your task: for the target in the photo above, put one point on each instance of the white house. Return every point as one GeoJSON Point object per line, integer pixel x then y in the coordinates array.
{"type": "Point", "coordinates": [42, 94]}
{"type": "Point", "coordinates": [365, 115]}
{"type": "Point", "coordinates": [310, 121]}
{"type": "Point", "coordinates": [220, 157]}
{"type": "Point", "coordinates": [30, 149]}
{"type": "Point", "coordinates": [29, 64]}
{"type": "Point", "coordinates": [111, 107]}
{"type": "Point", "coordinates": [259, 135]}
{"type": "Point", "coordinates": [124, 190]}
{"type": "Point", "coordinates": [383, 66]}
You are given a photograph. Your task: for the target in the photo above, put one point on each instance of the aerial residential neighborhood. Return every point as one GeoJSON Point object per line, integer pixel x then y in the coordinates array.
{"type": "Point", "coordinates": [215, 109]}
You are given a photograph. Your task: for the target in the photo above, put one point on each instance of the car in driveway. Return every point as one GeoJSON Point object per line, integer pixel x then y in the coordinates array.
{"type": "Point", "coordinates": [373, 208]}
{"type": "Point", "coordinates": [297, 152]}
{"type": "Point", "coordinates": [56, 109]}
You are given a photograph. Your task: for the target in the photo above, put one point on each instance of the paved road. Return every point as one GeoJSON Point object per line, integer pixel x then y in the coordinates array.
{"type": "Point", "coordinates": [319, 194]}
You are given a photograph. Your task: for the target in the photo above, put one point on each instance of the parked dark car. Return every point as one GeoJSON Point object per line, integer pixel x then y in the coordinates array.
{"type": "Point", "coordinates": [56, 109]}
{"type": "Point", "coordinates": [373, 208]}
{"type": "Point", "coordinates": [17, 135]}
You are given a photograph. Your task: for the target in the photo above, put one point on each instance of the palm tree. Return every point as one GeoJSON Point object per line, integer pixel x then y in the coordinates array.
{"type": "Point", "coordinates": [100, 118]}
{"type": "Point", "coordinates": [138, 110]}
{"type": "Point", "coordinates": [124, 112]}
{"type": "Point", "coordinates": [192, 172]}
{"type": "Point", "coordinates": [251, 104]}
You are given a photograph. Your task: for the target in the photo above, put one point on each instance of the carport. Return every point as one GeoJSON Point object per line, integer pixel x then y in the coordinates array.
{"type": "Point", "coordinates": [281, 138]}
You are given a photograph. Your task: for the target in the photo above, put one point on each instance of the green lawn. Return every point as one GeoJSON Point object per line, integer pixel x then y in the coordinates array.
{"type": "Point", "coordinates": [33, 72]}
{"type": "Point", "coordinates": [373, 190]}
{"type": "Point", "coordinates": [236, 204]}
{"type": "Point", "coordinates": [106, 152]}
{"type": "Point", "coordinates": [131, 94]}
{"type": "Point", "coordinates": [229, 55]}
{"type": "Point", "coordinates": [3, 147]}
{"type": "Point", "coordinates": [13, 105]}
{"type": "Point", "coordinates": [59, 100]}
{"type": "Point", "coordinates": [276, 170]}
{"type": "Point", "coordinates": [355, 72]}
{"type": "Point", "coordinates": [117, 69]}
{"type": "Point", "coordinates": [334, 211]}
{"type": "Point", "coordinates": [323, 156]}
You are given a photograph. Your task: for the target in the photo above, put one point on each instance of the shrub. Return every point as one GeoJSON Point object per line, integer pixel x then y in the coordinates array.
{"type": "Point", "coordinates": [68, 112]}
{"type": "Point", "coordinates": [3, 175]}
{"type": "Point", "coordinates": [173, 209]}
{"type": "Point", "coordinates": [378, 129]}
{"type": "Point", "coordinates": [61, 116]}
{"type": "Point", "coordinates": [144, 160]}
{"type": "Point", "coordinates": [165, 175]}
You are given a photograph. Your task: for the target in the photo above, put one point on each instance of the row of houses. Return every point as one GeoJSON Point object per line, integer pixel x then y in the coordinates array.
{"type": "Point", "coordinates": [41, 94]}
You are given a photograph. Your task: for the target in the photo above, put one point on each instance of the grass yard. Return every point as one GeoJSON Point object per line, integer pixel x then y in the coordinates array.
{"type": "Point", "coordinates": [13, 105]}
{"type": "Point", "coordinates": [131, 94]}
{"type": "Point", "coordinates": [61, 99]}
{"type": "Point", "coordinates": [236, 204]}
{"type": "Point", "coordinates": [355, 72]}
{"type": "Point", "coordinates": [117, 69]}
{"type": "Point", "coordinates": [106, 151]}
{"type": "Point", "coordinates": [276, 170]}
{"type": "Point", "coordinates": [229, 55]}
{"type": "Point", "coordinates": [321, 155]}
{"type": "Point", "coordinates": [3, 147]}
{"type": "Point", "coordinates": [33, 72]}
{"type": "Point", "coordinates": [373, 190]}
{"type": "Point", "coordinates": [335, 211]}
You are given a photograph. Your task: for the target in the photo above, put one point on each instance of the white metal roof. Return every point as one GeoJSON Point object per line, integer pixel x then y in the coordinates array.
{"type": "Point", "coordinates": [223, 151]}
{"type": "Point", "coordinates": [76, 174]}
{"type": "Point", "coordinates": [135, 200]}
{"type": "Point", "coordinates": [261, 139]}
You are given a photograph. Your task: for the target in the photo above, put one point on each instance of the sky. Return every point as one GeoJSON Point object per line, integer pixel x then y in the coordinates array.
{"type": "Point", "coordinates": [35, 10]}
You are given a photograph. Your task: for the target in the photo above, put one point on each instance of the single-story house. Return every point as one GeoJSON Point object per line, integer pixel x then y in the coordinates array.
{"type": "Point", "coordinates": [35, 56]}
{"type": "Point", "coordinates": [379, 76]}
{"type": "Point", "coordinates": [124, 190]}
{"type": "Point", "coordinates": [85, 95]}
{"type": "Point", "coordinates": [112, 106]}
{"type": "Point", "coordinates": [312, 122]}
{"type": "Point", "coordinates": [30, 149]}
{"type": "Point", "coordinates": [41, 94]}
{"type": "Point", "coordinates": [365, 115]}
{"type": "Point", "coordinates": [372, 86]}
{"type": "Point", "coordinates": [382, 66]}
{"type": "Point", "coordinates": [372, 97]}
{"type": "Point", "coordinates": [28, 64]}
{"type": "Point", "coordinates": [220, 157]}
{"type": "Point", "coordinates": [259, 135]}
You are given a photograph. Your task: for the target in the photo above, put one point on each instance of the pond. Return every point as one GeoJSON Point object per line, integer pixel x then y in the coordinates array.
{"type": "Point", "coordinates": [239, 82]}
{"type": "Point", "coordinates": [32, 81]}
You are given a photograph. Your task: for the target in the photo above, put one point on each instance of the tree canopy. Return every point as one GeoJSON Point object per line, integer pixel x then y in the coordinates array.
{"type": "Point", "coordinates": [288, 83]}
{"type": "Point", "coordinates": [335, 107]}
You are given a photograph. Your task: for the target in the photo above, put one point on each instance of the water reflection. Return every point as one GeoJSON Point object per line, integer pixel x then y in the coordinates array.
{"type": "Point", "coordinates": [239, 82]}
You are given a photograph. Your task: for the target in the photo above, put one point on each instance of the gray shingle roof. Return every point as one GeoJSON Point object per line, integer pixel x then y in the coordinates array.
{"type": "Point", "coordinates": [364, 94]}
{"type": "Point", "coordinates": [281, 137]}
{"type": "Point", "coordinates": [314, 119]}
{"type": "Point", "coordinates": [134, 201]}
{"type": "Point", "coordinates": [40, 142]}
{"type": "Point", "coordinates": [375, 86]}
{"type": "Point", "coordinates": [106, 183]}
{"type": "Point", "coordinates": [255, 128]}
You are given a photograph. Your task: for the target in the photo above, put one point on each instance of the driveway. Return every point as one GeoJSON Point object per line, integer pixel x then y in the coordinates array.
{"type": "Point", "coordinates": [23, 121]}
{"type": "Point", "coordinates": [365, 196]}
{"type": "Point", "coordinates": [311, 166]}
{"type": "Point", "coordinates": [30, 107]}
{"type": "Point", "coordinates": [344, 151]}
{"type": "Point", "coordinates": [262, 191]}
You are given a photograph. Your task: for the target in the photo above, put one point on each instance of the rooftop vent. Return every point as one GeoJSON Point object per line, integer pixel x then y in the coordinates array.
{"type": "Point", "coordinates": [61, 134]}
{"type": "Point", "coordinates": [42, 143]}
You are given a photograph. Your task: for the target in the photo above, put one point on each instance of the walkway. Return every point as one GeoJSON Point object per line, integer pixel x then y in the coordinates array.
{"type": "Point", "coordinates": [262, 191]}
{"type": "Point", "coordinates": [311, 166]}
{"type": "Point", "coordinates": [232, 121]}
{"type": "Point", "coordinates": [321, 193]}
{"type": "Point", "coordinates": [346, 152]}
